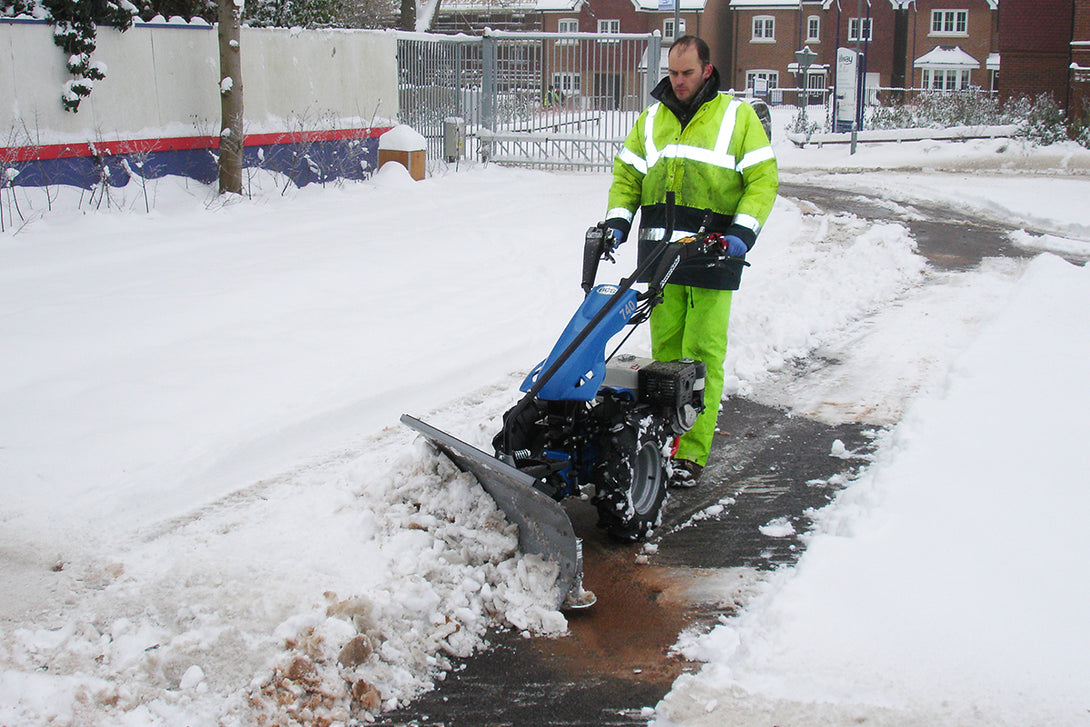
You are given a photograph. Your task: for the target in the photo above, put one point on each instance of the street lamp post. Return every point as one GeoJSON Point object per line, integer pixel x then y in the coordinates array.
{"type": "Point", "coordinates": [805, 59]}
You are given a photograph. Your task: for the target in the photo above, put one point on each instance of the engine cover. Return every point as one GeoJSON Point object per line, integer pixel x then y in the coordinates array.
{"type": "Point", "coordinates": [674, 387]}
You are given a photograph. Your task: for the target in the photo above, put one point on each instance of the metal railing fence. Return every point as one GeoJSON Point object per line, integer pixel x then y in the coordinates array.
{"type": "Point", "coordinates": [555, 100]}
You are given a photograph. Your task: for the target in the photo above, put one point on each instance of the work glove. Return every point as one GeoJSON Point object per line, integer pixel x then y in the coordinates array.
{"type": "Point", "coordinates": [733, 246]}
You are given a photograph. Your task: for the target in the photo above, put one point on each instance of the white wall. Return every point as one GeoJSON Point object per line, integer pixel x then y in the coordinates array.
{"type": "Point", "coordinates": [162, 80]}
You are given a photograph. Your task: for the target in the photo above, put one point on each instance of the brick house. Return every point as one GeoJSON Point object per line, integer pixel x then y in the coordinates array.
{"type": "Point", "coordinates": [1080, 62]}
{"type": "Point", "coordinates": [619, 16]}
{"type": "Point", "coordinates": [947, 44]}
{"type": "Point", "coordinates": [615, 16]}
{"type": "Point", "coordinates": [580, 71]}
{"type": "Point", "coordinates": [473, 16]}
{"type": "Point", "coordinates": [1046, 49]}
{"type": "Point", "coordinates": [952, 45]}
{"type": "Point", "coordinates": [567, 16]}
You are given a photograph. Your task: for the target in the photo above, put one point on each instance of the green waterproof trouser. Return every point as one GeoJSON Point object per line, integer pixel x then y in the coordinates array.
{"type": "Point", "coordinates": [692, 323]}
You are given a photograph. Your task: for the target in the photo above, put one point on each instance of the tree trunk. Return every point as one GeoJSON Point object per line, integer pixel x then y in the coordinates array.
{"type": "Point", "coordinates": [231, 137]}
{"type": "Point", "coordinates": [408, 15]}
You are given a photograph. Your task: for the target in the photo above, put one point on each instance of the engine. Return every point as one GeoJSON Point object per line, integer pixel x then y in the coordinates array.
{"type": "Point", "coordinates": [673, 389]}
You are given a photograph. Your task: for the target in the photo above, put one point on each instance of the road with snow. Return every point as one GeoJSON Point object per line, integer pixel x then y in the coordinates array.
{"type": "Point", "coordinates": [770, 466]}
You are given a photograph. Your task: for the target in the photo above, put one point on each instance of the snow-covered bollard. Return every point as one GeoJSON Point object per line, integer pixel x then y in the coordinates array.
{"type": "Point", "coordinates": [403, 145]}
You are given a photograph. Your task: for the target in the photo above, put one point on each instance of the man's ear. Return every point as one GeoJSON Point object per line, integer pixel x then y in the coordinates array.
{"type": "Point", "coordinates": [707, 72]}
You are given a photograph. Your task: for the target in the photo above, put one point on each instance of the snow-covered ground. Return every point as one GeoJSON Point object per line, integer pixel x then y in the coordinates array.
{"type": "Point", "coordinates": [212, 515]}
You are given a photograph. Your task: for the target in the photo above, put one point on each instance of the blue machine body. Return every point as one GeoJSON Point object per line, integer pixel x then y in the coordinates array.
{"type": "Point", "coordinates": [580, 377]}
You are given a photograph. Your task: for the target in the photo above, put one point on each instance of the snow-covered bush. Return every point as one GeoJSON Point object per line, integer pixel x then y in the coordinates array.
{"type": "Point", "coordinates": [939, 109]}
{"type": "Point", "coordinates": [1041, 119]}
{"type": "Point", "coordinates": [321, 13]}
{"type": "Point", "coordinates": [894, 116]}
{"type": "Point", "coordinates": [75, 27]}
{"type": "Point", "coordinates": [15, 8]}
{"type": "Point", "coordinates": [801, 124]}
{"type": "Point", "coordinates": [1080, 126]}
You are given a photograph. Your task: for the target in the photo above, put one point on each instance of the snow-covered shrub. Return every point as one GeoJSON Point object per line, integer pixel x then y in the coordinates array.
{"type": "Point", "coordinates": [970, 107]}
{"type": "Point", "coordinates": [938, 109]}
{"type": "Point", "coordinates": [1080, 125]}
{"type": "Point", "coordinates": [75, 27]}
{"type": "Point", "coordinates": [1041, 119]}
{"type": "Point", "coordinates": [897, 115]}
{"type": "Point", "coordinates": [801, 124]}
{"type": "Point", "coordinates": [15, 8]}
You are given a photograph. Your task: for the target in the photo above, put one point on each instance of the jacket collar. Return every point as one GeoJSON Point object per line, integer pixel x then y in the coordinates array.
{"type": "Point", "coordinates": [664, 92]}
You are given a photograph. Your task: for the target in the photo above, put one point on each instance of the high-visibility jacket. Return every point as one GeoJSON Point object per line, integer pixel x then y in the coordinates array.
{"type": "Point", "coordinates": [720, 160]}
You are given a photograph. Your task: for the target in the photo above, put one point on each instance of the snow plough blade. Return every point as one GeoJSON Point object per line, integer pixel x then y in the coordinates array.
{"type": "Point", "coordinates": [543, 527]}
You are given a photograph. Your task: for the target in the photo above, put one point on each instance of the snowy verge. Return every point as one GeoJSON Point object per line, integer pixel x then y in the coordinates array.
{"type": "Point", "coordinates": [942, 586]}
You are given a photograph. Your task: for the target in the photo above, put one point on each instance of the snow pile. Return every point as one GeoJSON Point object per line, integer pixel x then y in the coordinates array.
{"type": "Point", "coordinates": [193, 629]}
{"type": "Point", "coordinates": [833, 268]}
{"type": "Point", "coordinates": [402, 138]}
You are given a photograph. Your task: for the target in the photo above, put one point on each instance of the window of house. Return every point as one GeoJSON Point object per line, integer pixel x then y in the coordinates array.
{"type": "Point", "coordinates": [567, 25]}
{"type": "Point", "coordinates": [761, 82]}
{"type": "Point", "coordinates": [764, 29]}
{"type": "Point", "coordinates": [813, 29]}
{"type": "Point", "coordinates": [946, 79]}
{"type": "Point", "coordinates": [668, 28]}
{"type": "Point", "coordinates": [570, 84]}
{"type": "Point", "coordinates": [609, 25]}
{"type": "Point", "coordinates": [853, 28]}
{"type": "Point", "coordinates": [949, 22]}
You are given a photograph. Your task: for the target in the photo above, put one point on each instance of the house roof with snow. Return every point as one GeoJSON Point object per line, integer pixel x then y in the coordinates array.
{"type": "Point", "coordinates": [946, 57]}
{"type": "Point", "coordinates": [545, 6]}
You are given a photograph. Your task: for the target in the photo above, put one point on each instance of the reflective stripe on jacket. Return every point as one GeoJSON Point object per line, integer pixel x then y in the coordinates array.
{"type": "Point", "coordinates": [721, 160]}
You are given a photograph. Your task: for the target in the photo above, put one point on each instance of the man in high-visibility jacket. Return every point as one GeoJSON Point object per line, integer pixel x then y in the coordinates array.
{"type": "Point", "coordinates": [711, 150]}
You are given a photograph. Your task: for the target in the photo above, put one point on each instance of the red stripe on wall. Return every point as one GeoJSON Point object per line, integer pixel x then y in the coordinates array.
{"type": "Point", "coordinates": [11, 154]}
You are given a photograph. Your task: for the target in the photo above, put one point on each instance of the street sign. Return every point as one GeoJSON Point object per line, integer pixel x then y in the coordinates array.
{"type": "Point", "coordinates": [847, 87]}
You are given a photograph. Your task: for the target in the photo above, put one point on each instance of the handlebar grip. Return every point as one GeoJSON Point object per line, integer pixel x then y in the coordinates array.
{"type": "Point", "coordinates": [593, 247]}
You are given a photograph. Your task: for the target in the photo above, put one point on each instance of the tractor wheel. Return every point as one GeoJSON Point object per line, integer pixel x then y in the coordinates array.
{"type": "Point", "coordinates": [631, 480]}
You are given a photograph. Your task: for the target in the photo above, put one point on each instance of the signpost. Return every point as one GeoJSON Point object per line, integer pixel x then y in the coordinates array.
{"type": "Point", "coordinates": [847, 96]}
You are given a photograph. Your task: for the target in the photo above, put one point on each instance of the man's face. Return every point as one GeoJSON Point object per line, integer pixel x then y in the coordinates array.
{"type": "Point", "coordinates": [687, 74]}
